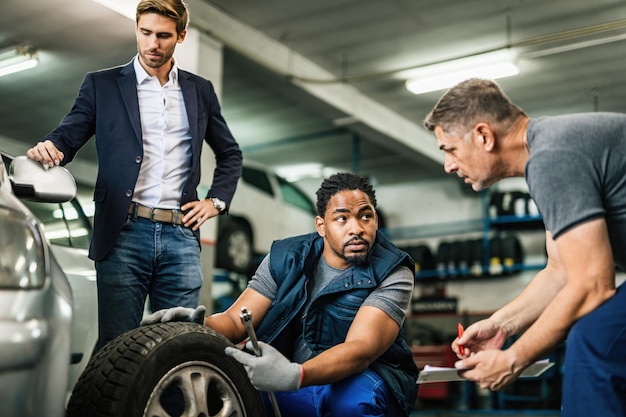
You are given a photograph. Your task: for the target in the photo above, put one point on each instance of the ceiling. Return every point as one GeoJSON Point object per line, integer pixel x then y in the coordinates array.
{"type": "Point", "coordinates": [323, 81]}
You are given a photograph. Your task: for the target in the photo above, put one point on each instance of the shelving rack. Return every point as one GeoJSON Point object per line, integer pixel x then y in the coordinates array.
{"type": "Point", "coordinates": [487, 227]}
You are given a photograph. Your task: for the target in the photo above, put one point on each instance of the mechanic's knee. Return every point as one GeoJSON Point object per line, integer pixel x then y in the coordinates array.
{"type": "Point", "coordinates": [346, 406]}
{"type": "Point", "coordinates": [360, 396]}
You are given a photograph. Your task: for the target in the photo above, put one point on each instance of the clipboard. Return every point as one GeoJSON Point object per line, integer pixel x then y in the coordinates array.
{"type": "Point", "coordinates": [443, 374]}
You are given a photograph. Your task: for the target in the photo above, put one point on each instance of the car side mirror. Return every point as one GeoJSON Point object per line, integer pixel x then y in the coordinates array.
{"type": "Point", "coordinates": [32, 180]}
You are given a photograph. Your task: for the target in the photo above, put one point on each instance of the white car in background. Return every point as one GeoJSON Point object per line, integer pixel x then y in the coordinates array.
{"type": "Point", "coordinates": [266, 207]}
{"type": "Point", "coordinates": [48, 302]}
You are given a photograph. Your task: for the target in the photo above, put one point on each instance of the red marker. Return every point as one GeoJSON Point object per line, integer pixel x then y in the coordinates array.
{"type": "Point", "coordinates": [459, 329]}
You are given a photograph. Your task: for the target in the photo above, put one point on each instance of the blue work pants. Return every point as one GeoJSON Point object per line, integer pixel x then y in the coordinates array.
{"type": "Point", "coordinates": [360, 395]}
{"type": "Point", "coordinates": [594, 377]}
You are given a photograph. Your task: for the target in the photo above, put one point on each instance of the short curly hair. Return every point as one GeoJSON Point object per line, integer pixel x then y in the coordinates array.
{"type": "Point", "coordinates": [342, 181]}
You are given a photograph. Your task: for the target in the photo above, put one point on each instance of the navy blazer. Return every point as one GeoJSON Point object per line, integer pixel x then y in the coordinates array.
{"type": "Point", "coordinates": [107, 106]}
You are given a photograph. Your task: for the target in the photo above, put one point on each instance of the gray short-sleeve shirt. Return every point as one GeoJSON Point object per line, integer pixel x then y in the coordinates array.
{"type": "Point", "coordinates": [393, 296]}
{"type": "Point", "coordinates": [576, 172]}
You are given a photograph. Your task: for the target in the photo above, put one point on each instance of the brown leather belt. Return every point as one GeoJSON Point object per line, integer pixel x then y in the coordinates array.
{"type": "Point", "coordinates": [171, 216]}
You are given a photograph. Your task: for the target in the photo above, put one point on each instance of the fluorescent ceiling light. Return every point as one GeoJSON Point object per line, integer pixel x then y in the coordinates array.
{"type": "Point", "coordinates": [124, 7]}
{"type": "Point", "coordinates": [444, 75]}
{"type": "Point", "coordinates": [16, 59]}
{"type": "Point", "coordinates": [297, 172]}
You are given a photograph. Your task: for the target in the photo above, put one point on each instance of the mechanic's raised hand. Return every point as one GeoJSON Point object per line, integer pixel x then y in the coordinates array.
{"type": "Point", "coordinates": [482, 335]}
{"type": "Point", "coordinates": [271, 371]}
{"type": "Point", "coordinates": [176, 314]}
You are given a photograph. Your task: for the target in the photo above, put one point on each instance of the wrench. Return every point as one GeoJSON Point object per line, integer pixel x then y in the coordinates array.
{"type": "Point", "coordinates": [246, 320]}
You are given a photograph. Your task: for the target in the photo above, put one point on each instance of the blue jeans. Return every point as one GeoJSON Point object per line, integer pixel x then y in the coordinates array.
{"type": "Point", "coordinates": [360, 395]}
{"type": "Point", "coordinates": [159, 260]}
{"type": "Point", "coordinates": [594, 377]}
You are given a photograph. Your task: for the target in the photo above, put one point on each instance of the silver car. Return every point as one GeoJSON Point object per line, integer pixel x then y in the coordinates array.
{"type": "Point", "coordinates": [48, 312]}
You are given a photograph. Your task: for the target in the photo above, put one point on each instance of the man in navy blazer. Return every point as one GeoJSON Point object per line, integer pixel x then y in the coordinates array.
{"type": "Point", "coordinates": [149, 119]}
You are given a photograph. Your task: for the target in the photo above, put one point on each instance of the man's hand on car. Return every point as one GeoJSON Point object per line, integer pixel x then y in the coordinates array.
{"type": "Point", "coordinates": [192, 315]}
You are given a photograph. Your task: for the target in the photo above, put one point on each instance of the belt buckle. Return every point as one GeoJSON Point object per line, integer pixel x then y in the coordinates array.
{"type": "Point", "coordinates": [152, 209]}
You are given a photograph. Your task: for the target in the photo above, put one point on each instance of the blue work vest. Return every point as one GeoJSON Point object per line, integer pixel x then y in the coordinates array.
{"type": "Point", "coordinates": [327, 320]}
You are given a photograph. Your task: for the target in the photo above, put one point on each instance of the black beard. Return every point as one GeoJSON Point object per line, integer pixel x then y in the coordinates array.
{"type": "Point", "coordinates": [356, 260]}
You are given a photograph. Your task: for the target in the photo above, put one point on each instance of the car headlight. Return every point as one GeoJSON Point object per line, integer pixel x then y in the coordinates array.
{"type": "Point", "coordinates": [22, 257]}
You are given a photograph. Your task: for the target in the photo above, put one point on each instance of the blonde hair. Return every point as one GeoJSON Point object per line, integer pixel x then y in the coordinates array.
{"type": "Point", "coordinates": [174, 9]}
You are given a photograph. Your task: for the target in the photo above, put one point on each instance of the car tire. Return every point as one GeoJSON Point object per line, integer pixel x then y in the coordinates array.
{"type": "Point", "coordinates": [234, 247]}
{"type": "Point", "coordinates": [133, 374]}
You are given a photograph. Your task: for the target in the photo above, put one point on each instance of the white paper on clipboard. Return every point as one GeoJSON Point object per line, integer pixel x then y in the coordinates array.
{"type": "Point", "coordinates": [440, 374]}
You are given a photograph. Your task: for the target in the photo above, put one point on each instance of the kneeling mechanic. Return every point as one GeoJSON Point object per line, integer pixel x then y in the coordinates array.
{"type": "Point", "coordinates": [328, 309]}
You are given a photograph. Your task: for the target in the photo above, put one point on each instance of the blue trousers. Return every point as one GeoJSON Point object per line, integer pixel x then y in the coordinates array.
{"type": "Point", "coordinates": [594, 378]}
{"type": "Point", "coordinates": [157, 259]}
{"type": "Point", "coordinates": [360, 395]}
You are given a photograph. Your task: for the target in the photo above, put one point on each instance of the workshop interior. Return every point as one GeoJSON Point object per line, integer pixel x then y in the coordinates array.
{"type": "Point", "coordinates": [309, 89]}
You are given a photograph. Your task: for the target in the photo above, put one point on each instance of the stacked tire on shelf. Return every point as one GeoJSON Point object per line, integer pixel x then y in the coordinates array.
{"type": "Point", "coordinates": [511, 203]}
{"type": "Point", "coordinates": [423, 257]}
{"type": "Point", "coordinates": [496, 255]}
{"type": "Point", "coordinates": [466, 258]}
{"type": "Point", "coordinates": [459, 258]}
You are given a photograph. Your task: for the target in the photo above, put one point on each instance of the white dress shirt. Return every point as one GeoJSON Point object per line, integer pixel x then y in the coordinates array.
{"type": "Point", "coordinates": [166, 140]}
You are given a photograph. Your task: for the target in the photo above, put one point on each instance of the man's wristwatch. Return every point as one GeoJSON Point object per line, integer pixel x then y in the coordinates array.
{"type": "Point", "coordinates": [218, 204]}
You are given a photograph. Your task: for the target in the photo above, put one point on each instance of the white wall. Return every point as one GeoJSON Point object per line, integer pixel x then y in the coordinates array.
{"type": "Point", "coordinates": [430, 202]}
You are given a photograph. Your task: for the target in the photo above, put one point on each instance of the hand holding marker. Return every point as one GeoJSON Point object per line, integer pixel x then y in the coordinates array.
{"type": "Point", "coordinates": [459, 328]}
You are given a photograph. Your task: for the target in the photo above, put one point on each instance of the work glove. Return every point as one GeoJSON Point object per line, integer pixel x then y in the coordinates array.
{"type": "Point", "coordinates": [176, 314]}
{"type": "Point", "coordinates": [271, 371]}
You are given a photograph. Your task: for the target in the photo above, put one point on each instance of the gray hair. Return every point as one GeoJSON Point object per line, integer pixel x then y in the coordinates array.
{"type": "Point", "coordinates": [470, 102]}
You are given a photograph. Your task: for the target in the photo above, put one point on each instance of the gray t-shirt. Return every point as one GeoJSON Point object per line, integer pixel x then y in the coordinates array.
{"type": "Point", "coordinates": [577, 172]}
{"type": "Point", "coordinates": [393, 295]}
